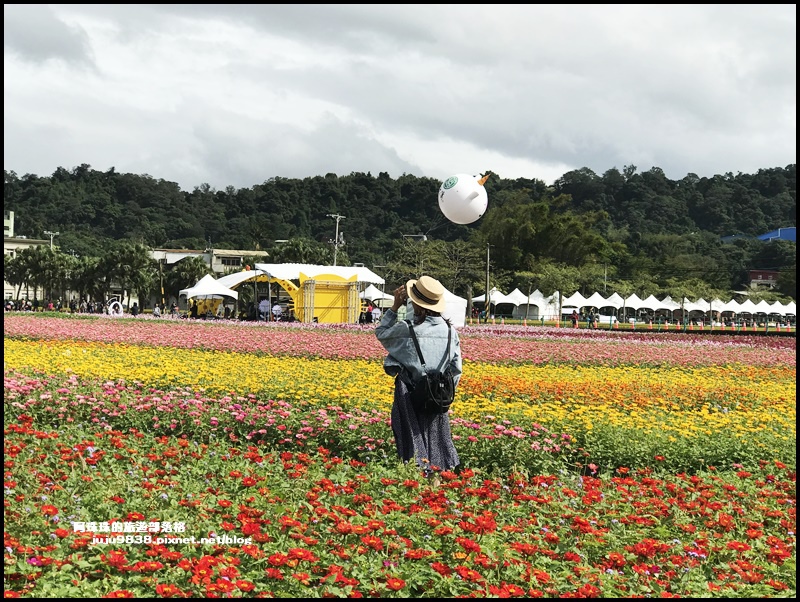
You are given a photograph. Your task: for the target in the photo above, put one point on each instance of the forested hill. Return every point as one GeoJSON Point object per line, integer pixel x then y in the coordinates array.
{"type": "Point", "coordinates": [610, 217]}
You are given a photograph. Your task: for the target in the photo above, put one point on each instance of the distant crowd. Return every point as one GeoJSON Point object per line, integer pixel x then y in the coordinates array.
{"type": "Point", "coordinates": [96, 307]}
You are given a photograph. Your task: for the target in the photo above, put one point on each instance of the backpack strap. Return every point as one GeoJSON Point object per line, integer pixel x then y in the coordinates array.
{"type": "Point", "coordinates": [419, 351]}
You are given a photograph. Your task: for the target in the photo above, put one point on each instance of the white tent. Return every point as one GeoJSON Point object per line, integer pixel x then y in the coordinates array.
{"type": "Point", "coordinates": [517, 297]}
{"type": "Point", "coordinates": [669, 304]}
{"type": "Point", "coordinates": [748, 307]}
{"type": "Point", "coordinates": [717, 305]}
{"type": "Point", "coordinates": [732, 306]}
{"type": "Point", "coordinates": [235, 279]}
{"type": "Point", "coordinates": [373, 293]}
{"type": "Point", "coordinates": [292, 271]}
{"type": "Point", "coordinates": [778, 308]}
{"type": "Point", "coordinates": [597, 300]}
{"type": "Point", "coordinates": [615, 301]}
{"type": "Point", "coordinates": [209, 288]}
{"type": "Point", "coordinates": [494, 295]}
{"type": "Point", "coordinates": [652, 303]}
{"type": "Point", "coordinates": [791, 309]}
{"type": "Point", "coordinates": [456, 310]}
{"type": "Point", "coordinates": [536, 306]}
{"type": "Point", "coordinates": [574, 300]}
{"type": "Point", "coordinates": [634, 302]}
{"type": "Point", "coordinates": [763, 307]}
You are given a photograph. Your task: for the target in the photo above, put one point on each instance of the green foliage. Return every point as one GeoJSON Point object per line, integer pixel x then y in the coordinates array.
{"type": "Point", "coordinates": [639, 226]}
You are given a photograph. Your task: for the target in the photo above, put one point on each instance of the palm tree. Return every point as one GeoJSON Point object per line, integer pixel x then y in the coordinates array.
{"type": "Point", "coordinates": [130, 266]}
{"type": "Point", "coordinates": [37, 268]}
{"type": "Point", "coordinates": [302, 250]}
{"type": "Point", "coordinates": [14, 272]}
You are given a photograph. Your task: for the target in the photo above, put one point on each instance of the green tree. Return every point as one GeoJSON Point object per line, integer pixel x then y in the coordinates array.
{"type": "Point", "coordinates": [304, 250]}
{"type": "Point", "coordinates": [86, 279]}
{"type": "Point", "coordinates": [130, 266]}
{"type": "Point", "coordinates": [37, 268]}
{"type": "Point", "coordinates": [787, 281]}
{"type": "Point", "coordinates": [15, 272]}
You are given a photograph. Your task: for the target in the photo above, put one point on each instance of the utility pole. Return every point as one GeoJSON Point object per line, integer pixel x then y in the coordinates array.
{"type": "Point", "coordinates": [488, 291]}
{"type": "Point", "coordinates": [51, 235]}
{"type": "Point", "coordinates": [337, 241]}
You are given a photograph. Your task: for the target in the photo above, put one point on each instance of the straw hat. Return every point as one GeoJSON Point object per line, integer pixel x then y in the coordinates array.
{"type": "Point", "coordinates": [427, 292]}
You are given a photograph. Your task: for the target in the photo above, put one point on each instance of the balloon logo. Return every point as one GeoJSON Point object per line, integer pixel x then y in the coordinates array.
{"type": "Point", "coordinates": [463, 199]}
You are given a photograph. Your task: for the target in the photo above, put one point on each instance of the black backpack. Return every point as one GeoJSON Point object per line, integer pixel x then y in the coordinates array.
{"type": "Point", "coordinates": [435, 391]}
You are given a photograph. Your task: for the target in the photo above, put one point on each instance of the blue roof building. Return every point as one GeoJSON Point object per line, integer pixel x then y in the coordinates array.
{"type": "Point", "coordinates": [789, 234]}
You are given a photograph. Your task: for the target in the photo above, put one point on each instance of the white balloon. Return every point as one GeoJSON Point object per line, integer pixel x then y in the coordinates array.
{"type": "Point", "coordinates": [462, 198]}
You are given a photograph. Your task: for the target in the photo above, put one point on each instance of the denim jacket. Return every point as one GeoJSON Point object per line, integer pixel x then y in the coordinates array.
{"type": "Point", "coordinates": [432, 337]}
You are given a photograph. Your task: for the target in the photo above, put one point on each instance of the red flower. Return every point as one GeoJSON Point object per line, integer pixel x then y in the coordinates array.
{"type": "Point", "coordinates": [245, 586]}
{"type": "Point", "coordinates": [115, 558]}
{"type": "Point", "coordinates": [302, 554]}
{"type": "Point", "coordinates": [49, 510]}
{"type": "Point", "coordinates": [373, 542]}
{"type": "Point", "coordinates": [551, 537]}
{"type": "Point", "coordinates": [468, 544]}
{"type": "Point", "coordinates": [120, 593]}
{"type": "Point", "coordinates": [588, 591]}
{"type": "Point", "coordinates": [61, 533]}
{"type": "Point", "coordinates": [395, 583]}
{"type": "Point", "coordinates": [251, 528]}
{"type": "Point", "coordinates": [249, 481]}
{"type": "Point", "coordinates": [274, 574]}
{"type": "Point", "coordinates": [442, 569]}
{"type": "Point", "coordinates": [343, 527]}
{"type": "Point", "coordinates": [468, 574]}
{"type": "Point", "coordinates": [167, 590]}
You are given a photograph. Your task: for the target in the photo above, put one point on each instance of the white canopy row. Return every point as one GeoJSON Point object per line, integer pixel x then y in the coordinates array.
{"type": "Point", "coordinates": [577, 300]}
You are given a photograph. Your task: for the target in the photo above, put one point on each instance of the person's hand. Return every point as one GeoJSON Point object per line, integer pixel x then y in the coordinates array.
{"type": "Point", "coordinates": [400, 297]}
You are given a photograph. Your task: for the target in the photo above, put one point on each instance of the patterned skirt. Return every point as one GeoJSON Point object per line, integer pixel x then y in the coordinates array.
{"type": "Point", "coordinates": [424, 437]}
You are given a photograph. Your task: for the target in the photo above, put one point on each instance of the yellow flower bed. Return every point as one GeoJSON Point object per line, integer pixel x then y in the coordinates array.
{"type": "Point", "coordinates": [666, 402]}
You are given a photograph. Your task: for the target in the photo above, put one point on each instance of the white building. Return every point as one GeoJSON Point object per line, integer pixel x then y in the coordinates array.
{"type": "Point", "coordinates": [13, 245]}
{"type": "Point", "coordinates": [221, 261]}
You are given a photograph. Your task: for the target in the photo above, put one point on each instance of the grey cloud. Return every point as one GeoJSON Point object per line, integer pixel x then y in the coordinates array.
{"type": "Point", "coordinates": [35, 33]}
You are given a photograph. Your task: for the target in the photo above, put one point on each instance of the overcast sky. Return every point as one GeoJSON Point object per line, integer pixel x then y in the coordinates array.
{"type": "Point", "coordinates": [232, 95]}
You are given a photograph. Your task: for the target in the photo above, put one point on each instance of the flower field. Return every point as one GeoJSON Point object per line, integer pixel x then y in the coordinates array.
{"type": "Point", "coordinates": [594, 464]}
